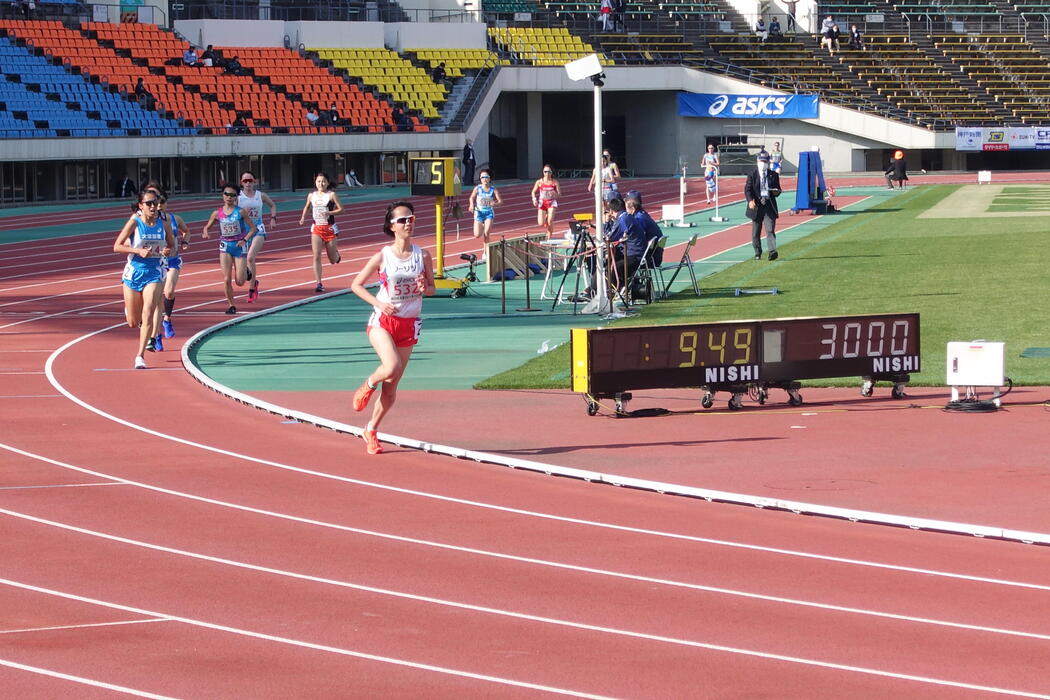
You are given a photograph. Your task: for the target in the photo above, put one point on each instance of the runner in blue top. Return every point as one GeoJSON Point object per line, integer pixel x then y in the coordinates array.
{"type": "Point", "coordinates": [172, 270]}
{"type": "Point", "coordinates": [145, 239]}
{"type": "Point", "coordinates": [236, 230]}
{"type": "Point", "coordinates": [482, 200]}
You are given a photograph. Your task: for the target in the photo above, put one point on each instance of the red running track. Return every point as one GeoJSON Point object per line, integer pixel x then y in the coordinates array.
{"type": "Point", "coordinates": [162, 541]}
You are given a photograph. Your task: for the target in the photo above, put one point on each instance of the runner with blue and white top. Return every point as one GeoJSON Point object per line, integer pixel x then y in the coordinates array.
{"type": "Point", "coordinates": [145, 239]}
{"type": "Point", "coordinates": [236, 230]}
{"type": "Point", "coordinates": [252, 201]}
{"type": "Point", "coordinates": [483, 198]}
{"type": "Point", "coordinates": [172, 270]}
{"type": "Point", "coordinates": [776, 158]}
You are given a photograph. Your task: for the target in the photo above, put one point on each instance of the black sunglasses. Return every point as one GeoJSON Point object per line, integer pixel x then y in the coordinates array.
{"type": "Point", "coordinates": [229, 194]}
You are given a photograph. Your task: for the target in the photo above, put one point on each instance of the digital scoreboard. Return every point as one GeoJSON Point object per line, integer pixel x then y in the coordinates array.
{"type": "Point", "coordinates": [730, 355]}
{"type": "Point", "coordinates": [437, 177]}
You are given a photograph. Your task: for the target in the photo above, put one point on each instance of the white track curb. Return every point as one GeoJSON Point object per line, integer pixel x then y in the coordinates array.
{"type": "Point", "coordinates": [798, 507]}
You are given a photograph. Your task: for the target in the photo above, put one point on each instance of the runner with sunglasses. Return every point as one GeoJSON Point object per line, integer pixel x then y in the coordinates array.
{"type": "Point", "coordinates": [406, 275]}
{"type": "Point", "coordinates": [145, 239]}
{"type": "Point", "coordinates": [172, 270]}
{"type": "Point", "coordinates": [236, 230]}
{"type": "Point", "coordinates": [324, 204]}
{"type": "Point", "coordinates": [252, 201]}
{"type": "Point", "coordinates": [482, 200]}
{"type": "Point", "coordinates": [545, 195]}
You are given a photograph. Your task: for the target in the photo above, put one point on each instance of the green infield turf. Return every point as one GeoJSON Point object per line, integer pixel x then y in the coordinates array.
{"type": "Point", "coordinates": [970, 274]}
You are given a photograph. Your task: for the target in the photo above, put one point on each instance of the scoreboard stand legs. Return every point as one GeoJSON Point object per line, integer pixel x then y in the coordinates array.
{"type": "Point", "coordinates": [756, 391]}
{"type": "Point", "coordinates": [621, 398]}
{"type": "Point", "coordinates": [899, 382]}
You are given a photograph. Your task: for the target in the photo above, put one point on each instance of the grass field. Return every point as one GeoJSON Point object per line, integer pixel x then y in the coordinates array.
{"type": "Point", "coordinates": [977, 276]}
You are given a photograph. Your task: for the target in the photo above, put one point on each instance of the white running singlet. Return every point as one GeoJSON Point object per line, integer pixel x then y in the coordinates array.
{"type": "Point", "coordinates": [400, 281]}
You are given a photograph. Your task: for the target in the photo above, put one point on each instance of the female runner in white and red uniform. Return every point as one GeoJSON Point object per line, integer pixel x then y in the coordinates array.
{"type": "Point", "coordinates": [406, 275]}
{"type": "Point", "coordinates": [545, 195]}
{"type": "Point", "coordinates": [323, 204]}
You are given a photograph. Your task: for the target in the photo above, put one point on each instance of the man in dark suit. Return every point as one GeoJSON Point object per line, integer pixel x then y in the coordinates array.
{"type": "Point", "coordinates": [761, 191]}
{"type": "Point", "coordinates": [469, 161]}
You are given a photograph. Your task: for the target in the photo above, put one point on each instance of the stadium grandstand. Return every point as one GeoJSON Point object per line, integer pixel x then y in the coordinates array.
{"type": "Point", "coordinates": [187, 92]}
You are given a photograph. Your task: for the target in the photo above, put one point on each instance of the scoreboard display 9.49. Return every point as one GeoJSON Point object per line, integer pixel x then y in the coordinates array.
{"type": "Point", "coordinates": [607, 361]}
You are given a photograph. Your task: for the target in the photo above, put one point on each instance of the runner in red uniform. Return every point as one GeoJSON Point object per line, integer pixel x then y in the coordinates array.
{"type": "Point", "coordinates": [406, 275]}
{"type": "Point", "coordinates": [545, 195]}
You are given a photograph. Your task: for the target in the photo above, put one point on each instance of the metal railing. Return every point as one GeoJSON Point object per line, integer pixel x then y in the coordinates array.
{"type": "Point", "coordinates": [329, 11]}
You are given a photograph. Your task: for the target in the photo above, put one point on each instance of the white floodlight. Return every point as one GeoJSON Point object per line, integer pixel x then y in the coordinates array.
{"type": "Point", "coordinates": [583, 68]}
{"type": "Point", "coordinates": [589, 67]}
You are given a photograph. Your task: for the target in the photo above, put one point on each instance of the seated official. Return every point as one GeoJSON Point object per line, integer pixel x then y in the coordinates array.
{"type": "Point", "coordinates": [650, 229]}
{"type": "Point", "coordinates": [624, 228]}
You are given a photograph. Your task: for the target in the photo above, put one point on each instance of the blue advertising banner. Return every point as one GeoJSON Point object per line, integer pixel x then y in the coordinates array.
{"type": "Point", "coordinates": [724, 106]}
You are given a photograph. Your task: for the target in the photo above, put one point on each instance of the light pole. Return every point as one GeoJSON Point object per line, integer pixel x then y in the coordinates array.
{"type": "Point", "coordinates": [589, 67]}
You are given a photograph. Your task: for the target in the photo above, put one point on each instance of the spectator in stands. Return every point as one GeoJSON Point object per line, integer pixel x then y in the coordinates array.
{"type": "Point", "coordinates": [208, 57]}
{"type": "Point", "coordinates": [28, 8]}
{"type": "Point", "coordinates": [439, 75]}
{"type": "Point", "coordinates": [831, 39]}
{"type": "Point", "coordinates": [774, 29]}
{"type": "Point", "coordinates": [189, 57]}
{"type": "Point", "coordinates": [826, 25]}
{"type": "Point", "coordinates": [144, 96]}
{"type": "Point", "coordinates": [790, 5]}
{"type": "Point", "coordinates": [401, 120]}
{"type": "Point", "coordinates": [239, 127]}
{"type": "Point", "coordinates": [469, 162]}
{"type": "Point", "coordinates": [324, 118]}
{"type": "Point", "coordinates": [233, 67]}
{"type": "Point", "coordinates": [312, 116]}
{"type": "Point", "coordinates": [856, 40]}
{"type": "Point", "coordinates": [760, 29]}
{"type": "Point", "coordinates": [333, 115]}
{"type": "Point", "coordinates": [619, 8]}
{"type": "Point", "coordinates": [605, 15]}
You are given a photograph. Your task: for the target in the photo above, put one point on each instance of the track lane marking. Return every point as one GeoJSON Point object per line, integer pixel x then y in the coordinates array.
{"type": "Point", "coordinates": [297, 643]}
{"type": "Point", "coordinates": [498, 555]}
{"type": "Point", "coordinates": [528, 618]}
{"type": "Point", "coordinates": [82, 680]}
{"type": "Point", "coordinates": [87, 625]}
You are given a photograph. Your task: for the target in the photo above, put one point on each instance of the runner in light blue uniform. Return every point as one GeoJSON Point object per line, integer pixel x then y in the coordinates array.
{"type": "Point", "coordinates": [173, 268]}
{"type": "Point", "coordinates": [145, 238]}
{"type": "Point", "coordinates": [482, 200]}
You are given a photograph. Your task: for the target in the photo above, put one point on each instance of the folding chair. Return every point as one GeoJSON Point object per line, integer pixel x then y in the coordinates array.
{"type": "Point", "coordinates": [642, 279]}
{"type": "Point", "coordinates": [685, 262]}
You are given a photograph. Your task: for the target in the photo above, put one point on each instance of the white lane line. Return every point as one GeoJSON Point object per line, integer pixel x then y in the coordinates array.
{"type": "Point", "coordinates": [672, 583]}
{"type": "Point", "coordinates": [88, 625]}
{"type": "Point", "coordinates": [355, 237]}
{"type": "Point", "coordinates": [300, 643]}
{"type": "Point", "coordinates": [491, 506]}
{"type": "Point", "coordinates": [61, 486]}
{"type": "Point", "coordinates": [116, 285]}
{"type": "Point", "coordinates": [546, 620]}
{"type": "Point", "coordinates": [82, 680]}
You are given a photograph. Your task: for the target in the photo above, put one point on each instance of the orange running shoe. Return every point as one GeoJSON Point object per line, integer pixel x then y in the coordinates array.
{"type": "Point", "coordinates": [362, 395]}
{"type": "Point", "coordinates": [372, 445]}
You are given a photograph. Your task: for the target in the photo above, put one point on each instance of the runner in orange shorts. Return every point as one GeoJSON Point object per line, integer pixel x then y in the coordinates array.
{"type": "Point", "coordinates": [406, 275]}
{"type": "Point", "coordinates": [324, 205]}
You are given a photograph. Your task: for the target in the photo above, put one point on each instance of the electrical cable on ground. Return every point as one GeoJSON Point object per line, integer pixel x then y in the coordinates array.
{"type": "Point", "coordinates": [974, 404]}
